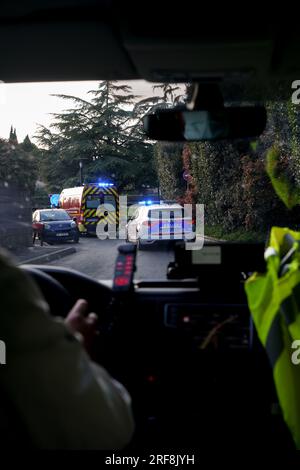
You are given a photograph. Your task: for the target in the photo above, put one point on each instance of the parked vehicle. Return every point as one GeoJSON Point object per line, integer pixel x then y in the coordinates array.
{"type": "Point", "coordinates": [83, 203]}
{"type": "Point", "coordinates": [53, 225]}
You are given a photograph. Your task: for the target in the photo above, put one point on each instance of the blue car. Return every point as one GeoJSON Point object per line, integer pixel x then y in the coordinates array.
{"type": "Point", "coordinates": [54, 225]}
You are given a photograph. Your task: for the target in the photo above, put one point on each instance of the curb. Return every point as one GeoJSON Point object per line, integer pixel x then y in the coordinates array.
{"type": "Point", "coordinates": [214, 240]}
{"type": "Point", "coordinates": [50, 256]}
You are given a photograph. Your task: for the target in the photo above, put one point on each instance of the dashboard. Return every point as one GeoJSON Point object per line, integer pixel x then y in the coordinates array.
{"type": "Point", "coordinates": [188, 353]}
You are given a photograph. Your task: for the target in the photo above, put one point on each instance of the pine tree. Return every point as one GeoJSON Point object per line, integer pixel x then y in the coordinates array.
{"type": "Point", "coordinates": [13, 136]}
{"type": "Point", "coordinates": [105, 134]}
{"type": "Point", "coordinates": [27, 145]}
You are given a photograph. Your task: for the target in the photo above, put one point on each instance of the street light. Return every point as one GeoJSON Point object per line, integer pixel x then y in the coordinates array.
{"type": "Point", "coordinates": [80, 172]}
{"type": "Point", "coordinates": [80, 168]}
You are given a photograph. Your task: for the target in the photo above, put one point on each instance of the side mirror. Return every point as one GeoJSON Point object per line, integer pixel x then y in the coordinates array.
{"type": "Point", "coordinates": [75, 219]}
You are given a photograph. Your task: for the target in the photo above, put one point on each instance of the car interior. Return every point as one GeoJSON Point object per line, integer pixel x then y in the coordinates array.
{"type": "Point", "coordinates": [190, 386]}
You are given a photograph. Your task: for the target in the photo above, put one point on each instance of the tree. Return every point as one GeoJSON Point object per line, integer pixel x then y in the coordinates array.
{"type": "Point", "coordinates": [104, 133]}
{"type": "Point", "coordinates": [232, 181]}
{"type": "Point", "coordinates": [17, 167]}
{"type": "Point", "coordinates": [168, 160]}
{"type": "Point", "coordinates": [168, 156]}
{"type": "Point", "coordinates": [27, 145]}
{"type": "Point", "coordinates": [13, 136]}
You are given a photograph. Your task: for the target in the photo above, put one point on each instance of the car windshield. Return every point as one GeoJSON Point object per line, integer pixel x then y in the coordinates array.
{"type": "Point", "coordinates": [89, 157]}
{"type": "Point", "coordinates": [50, 216]}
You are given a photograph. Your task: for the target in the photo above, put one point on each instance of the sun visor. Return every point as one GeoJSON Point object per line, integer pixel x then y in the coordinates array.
{"type": "Point", "coordinates": [182, 62]}
{"type": "Point", "coordinates": [61, 50]}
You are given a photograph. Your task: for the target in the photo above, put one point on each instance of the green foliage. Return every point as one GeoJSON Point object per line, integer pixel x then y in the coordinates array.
{"type": "Point", "coordinates": [171, 92]}
{"type": "Point", "coordinates": [27, 145]}
{"type": "Point", "coordinates": [284, 186]}
{"type": "Point", "coordinates": [40, 199]}
{"type": "Point", "coordinates": [105, 134]}
{"type": "Point", "coordinates": [168, 156]}
{"type": "Point", "coordinates": [168, 161]}
{"type": "Point", "coordinates": [18, 168]}
{"type": "Point", "coordinates": [259, 203]}
{"type": "Point", "coordinates": [254, 145]}
{"type": "Point", "coordinates": [13, 136]}
{"type": "Point", "coordinates": [219, 233]}
{"type": "Point", "coordinates": [233, 184]}
{"type": "Point", "coordinates": [216, 169]}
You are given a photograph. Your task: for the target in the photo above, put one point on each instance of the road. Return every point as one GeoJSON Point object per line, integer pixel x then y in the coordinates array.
{"type": "Point", "coordinates": [96, 258]}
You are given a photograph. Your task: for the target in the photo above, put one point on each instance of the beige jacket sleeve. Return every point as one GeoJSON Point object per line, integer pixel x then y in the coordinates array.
{"type": "Point", "coordinates": [66, 401]}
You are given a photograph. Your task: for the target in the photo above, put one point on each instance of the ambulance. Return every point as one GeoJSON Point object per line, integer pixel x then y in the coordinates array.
{"type": "Point", "coordinates": [90, 204]}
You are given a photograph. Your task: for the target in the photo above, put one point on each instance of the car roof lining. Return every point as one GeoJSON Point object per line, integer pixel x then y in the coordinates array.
{"type": "Point", "coordinates": [64, 40]}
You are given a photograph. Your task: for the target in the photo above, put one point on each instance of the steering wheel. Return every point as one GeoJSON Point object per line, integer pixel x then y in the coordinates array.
{"type": "Point", "coordinates": [56, 295]}
{"type": "Point", "coordinates": [61, 299]}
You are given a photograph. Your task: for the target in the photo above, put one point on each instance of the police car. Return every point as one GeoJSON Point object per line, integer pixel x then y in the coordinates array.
{"type": "Point", "coordinates": [156, 223]}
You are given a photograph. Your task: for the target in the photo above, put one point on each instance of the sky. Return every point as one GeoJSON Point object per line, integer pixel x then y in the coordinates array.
{"type": "Point", "coordinates": [25, 105]}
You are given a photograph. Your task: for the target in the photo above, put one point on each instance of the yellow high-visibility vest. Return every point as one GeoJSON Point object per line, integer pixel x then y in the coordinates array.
{"type": "Point", "coordinates": [274, 303]}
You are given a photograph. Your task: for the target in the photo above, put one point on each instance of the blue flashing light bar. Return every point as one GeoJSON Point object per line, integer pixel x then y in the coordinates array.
{"type": "Point", "coordinates": [104, 185]}
{"type": "Point", "coordinates": [101, 184]}
{"type": "Point", "coordinates": [146, 203]}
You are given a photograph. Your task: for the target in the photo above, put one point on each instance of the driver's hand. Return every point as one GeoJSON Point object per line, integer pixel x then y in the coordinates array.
{"type": "Point", "coordinates": [79, 322]}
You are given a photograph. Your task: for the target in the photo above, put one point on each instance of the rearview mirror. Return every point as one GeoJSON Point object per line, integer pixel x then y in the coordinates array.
{"type": "Point", "coordinates": [201, 125]}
